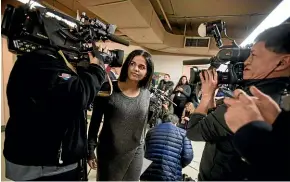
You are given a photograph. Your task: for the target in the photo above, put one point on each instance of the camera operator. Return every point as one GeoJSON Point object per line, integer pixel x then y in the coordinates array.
{"type": "Point", "coordinates": [261, 130]}
{"type": "Point", "coordinates": [267, 68]}
{"type": "Point", "coordinates": [45, 137]}
{"type": "Point", "coordinates": [166, 85]}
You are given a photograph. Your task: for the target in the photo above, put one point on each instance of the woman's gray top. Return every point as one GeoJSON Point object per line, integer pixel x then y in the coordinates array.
{"type": "Point", "coordinates": [185, 93]}
{"type": "Point", "coordinates": [124, 122]}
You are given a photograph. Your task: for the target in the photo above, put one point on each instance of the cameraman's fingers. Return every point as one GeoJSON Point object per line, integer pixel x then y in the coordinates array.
{"type": "Point", "coordinates": [210, 75]}
{"type": "Point", "coordinates": [91, 56]}
{"type": "Point", "coordinates": [106, 50]}
{"type": "Point", "coordinates": [206, 75]}
{"type": "Point", "coordinates": [201, 77]}
{"type": "Point", "coordinates": [257, 93]}
{"type": "Point", "coordinates": [215, 74]}
{"type": "Point", "coordinates": [230, 101]}
{"type": "Point", "coordinates": [242, 96]}
{"type": "Point", "coordinates": [93, 60]}
{"type": "Point", "coordinates": [101, 48]}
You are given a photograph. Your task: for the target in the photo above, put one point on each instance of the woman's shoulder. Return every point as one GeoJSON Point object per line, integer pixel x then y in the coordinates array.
{"type": "Point", "coordinates": [145, 91]}
{"type": "Point", "coordinates": [186, 86]}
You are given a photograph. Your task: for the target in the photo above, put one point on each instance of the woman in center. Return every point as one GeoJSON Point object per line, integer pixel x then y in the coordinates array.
{"type": "Point", "coordinates": [120, 146]}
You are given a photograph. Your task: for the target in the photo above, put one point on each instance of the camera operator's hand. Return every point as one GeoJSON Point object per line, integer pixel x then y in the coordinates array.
{"type": "Point", "coordinates": [92, 163]}
{"type": "Point", "coordinates": [209, 81]}
{"type": "Point", "coordinates": [267, 106]}
{"type": "Point", "coordinates": [94, 60]}
{"type": "Point", "coordinates": [242, 110]}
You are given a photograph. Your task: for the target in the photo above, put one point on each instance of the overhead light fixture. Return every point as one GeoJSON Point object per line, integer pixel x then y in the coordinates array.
{"type": "Point", "coordinates": [34, 4]}
{"type": "Point", "coordinates": [280, 14]}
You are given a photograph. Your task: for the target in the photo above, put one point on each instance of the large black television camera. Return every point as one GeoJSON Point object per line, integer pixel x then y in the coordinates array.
{"type": "Point", "coordinates": [233, 56]}
{"type": "Point", "coordinates": [31, 28]}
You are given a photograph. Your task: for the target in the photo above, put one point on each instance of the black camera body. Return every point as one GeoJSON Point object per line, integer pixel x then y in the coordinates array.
{"type": "Point", "coordinates": [29, 29]}
{"type": "Point", "coordinates": [234, 58]}
{"type": "Point", "coordinates": [232, 55]}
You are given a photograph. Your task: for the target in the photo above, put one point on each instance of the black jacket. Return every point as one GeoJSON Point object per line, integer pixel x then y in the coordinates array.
{"type": "Point", "coordinates": [166, 86]}
{"type": "Point", "coordinates": [47, 103]}
{"type": "Point", "coordinates": [266, 148]}
{"type": "Point", "coordinates": [220, 161]}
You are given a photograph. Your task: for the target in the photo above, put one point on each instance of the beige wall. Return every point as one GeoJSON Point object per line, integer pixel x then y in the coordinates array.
{"type": "Point", "coordinates": [173, 65]}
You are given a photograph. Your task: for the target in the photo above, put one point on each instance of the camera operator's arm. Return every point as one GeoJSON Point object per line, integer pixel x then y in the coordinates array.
{"type": "Point", "coordinates": [203, 126]}
{"type": "Point", "coordinates": [58, 84]}
{"type": "Point", "coordinates": [95, 123]}
{"type": "Point", "coordinates": [97, 115]}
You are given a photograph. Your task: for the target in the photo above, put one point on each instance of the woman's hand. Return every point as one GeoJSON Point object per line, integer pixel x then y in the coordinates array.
{"type": "Point", "coordinates": [186, 118]}
{"type": "Point", "coordinates": [165, 106]}
{"type": "Point", "coordinates": [92, 163]}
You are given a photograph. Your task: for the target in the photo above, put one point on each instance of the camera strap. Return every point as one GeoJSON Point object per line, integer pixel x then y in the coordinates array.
{"type": "Point", "coordinates": [100, 93]}
{"type": "Point", "coordinates": [107, 93]}
{"type": "Point", "coordinates": [66, 62]}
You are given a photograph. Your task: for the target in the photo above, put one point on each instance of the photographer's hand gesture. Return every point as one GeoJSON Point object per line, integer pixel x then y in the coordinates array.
{"type": "Point", "coordinates": [243, 109]}
{"type": "Point", "coordinates": [267, 106]}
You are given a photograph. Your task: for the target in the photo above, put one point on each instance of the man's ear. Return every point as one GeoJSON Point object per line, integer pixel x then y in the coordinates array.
{"type": "Point", "coordinates": [284, 64]}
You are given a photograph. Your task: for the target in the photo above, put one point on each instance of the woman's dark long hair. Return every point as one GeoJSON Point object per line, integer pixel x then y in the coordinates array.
{"type": "Point", "coordinates": [180, 82]}
{"type": "Point", "coordinates": [146, 81]}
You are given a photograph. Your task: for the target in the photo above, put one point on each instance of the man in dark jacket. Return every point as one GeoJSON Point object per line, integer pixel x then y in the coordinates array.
{"type": "Point", "coordinates": [169, 149]}
{"type": "Point", "coordinates": [261, 134]}
{"type": "Point", "coordinates": [267, 68]}
{"type": "Point", "coordinates": [45, 136]}
{"type": "Point", "coordinates": [166, 85]}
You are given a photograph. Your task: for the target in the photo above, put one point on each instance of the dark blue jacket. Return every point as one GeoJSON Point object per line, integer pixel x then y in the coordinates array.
{"type": "Point", "coordinates": [170, 151]}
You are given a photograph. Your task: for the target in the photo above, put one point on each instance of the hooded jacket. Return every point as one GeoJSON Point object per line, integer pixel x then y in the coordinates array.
{"type": "Point", "coordinates": [47, 103]}
{"type": "Point", "coordinates": [166, 86]}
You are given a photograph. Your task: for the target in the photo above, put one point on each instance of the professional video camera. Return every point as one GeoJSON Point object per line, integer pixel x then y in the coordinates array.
{"type": "Point", "coordinates": [29, 28]}
{"type": "Point", "coordinates": [233, 56]}
{"type": "Point", "coordinates": [157, 98]}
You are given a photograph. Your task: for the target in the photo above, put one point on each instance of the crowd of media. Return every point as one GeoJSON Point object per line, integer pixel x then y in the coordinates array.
{"type": "Point", "coordinates": [245, 132]}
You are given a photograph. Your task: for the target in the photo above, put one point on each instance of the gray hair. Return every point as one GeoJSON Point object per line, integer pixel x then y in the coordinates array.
{"type": "Point", "coordinates": [170, 118]}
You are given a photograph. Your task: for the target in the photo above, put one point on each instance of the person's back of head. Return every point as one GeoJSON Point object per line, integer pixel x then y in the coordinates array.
{"type": "Point", "coordinates": [168, 148]}
{"type": "Point", "coordinates": [170, 118]}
